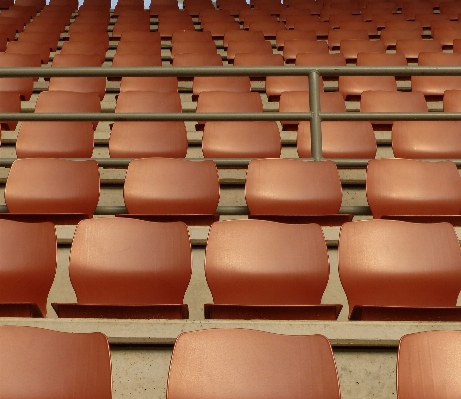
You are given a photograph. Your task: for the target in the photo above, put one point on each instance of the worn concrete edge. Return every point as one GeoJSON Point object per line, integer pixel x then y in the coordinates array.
{"type": "Point", "coordinates": [160, 332]}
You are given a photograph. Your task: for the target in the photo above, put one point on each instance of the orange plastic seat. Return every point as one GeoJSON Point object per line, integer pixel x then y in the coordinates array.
{"type": "Point", "coordinates": [320, 28]}
{"type": "Point", "coordinates": [85, 48]}
{"type": "Point", "coordinates": [249, 278]}
{"type": "Point", "coordinates": [335, 36]}
{"type": "Point", "coordinates": [351, 48]}
{"type": "Point", "coordinates": [317, 59]}
{"type": "Point", "coordinates": [167, 29]}
{"type": "Point", "coordinates": [23, 86]}
{"type": "Point", "coordinates": [389, 273]}
{"type": "Point", "coordinates": [80, 84]}
{"type": "Point", "coordinates": [445, 24]}
{"type": "Point", "coordinates": [10, 102]}
{"type": "Point", "coordinates": [40, 355]}
{"type": "Point", "coordinates": [157, 6]}
{"type": "Point", "coordinates": [249, 13]}
{"type": "Point", "coordinates": [242, 36]}
{"type": "Point", "coordinates": [279, 365]}
{"type": "Point", "coordinates": [413, 47]}
{"type": "Point", "coordinates": [146, 281]}
{"type": "Point", "coordinates": [54, 31]}
{"type": "Point", "coordinates": [380, 19]}
{"type": "Point", "coordinates": [17, 22]}
{"type": "Point", "coordinates": [91, 36]}
{"type": "Point", "coordinates": [40, 37]}
{"type": "Point", "coordinates": [197, 60]}
{"type": "Point", "coordinates": [339, 140]}
{"type": "Point", "coordinates": [42, 49]}
{"type": "Point", "coordinates": [369, 26]}
{"type": "Point", "coordinates": [392, 101]}
{"type": "Point", "coordinates": [8, 28]}
{"type": "Point", "coordinates": [410, 11]}
{"type": "Point", "coordinates": [191, 36]}
{"type": "Point", "coordinates": [404, 25]}
{"type": "Point", "coordinates": [289, 11]}
{"type": "Point", "coordinates": [155, 83]}
{"type": "Point", "coordinates": [298, 101]}
{"type": "Point", "coordinates": [294, 191]}
{"type": "Point", "coordinates": [293, 20]}
{"type": "Point", "coordinates": [233, 6]}
{"type": "Point", "coordinates": [414, 190]}
{"type": "Point", "coordinates": [27, 268]}
{"type": "Point", "coordinates": [446, 36]}
{"type": "Point", "coordinates": [427, 363]}
{"type": "Point", "coordinates": [284, 35]}
{"type": "Point", "coordinates": [335, 20]}
{"type": "Point", "coordinates": [294, 47]}
{"type": "Point", "coordinates": [381, 59]}
{"type": "Point", "coordinates": [48, 189]}
{"type": "Point", "coordinates": [436, 85]}
{"type": "Point", "coordinates": [145, 101]}
{"type": "Point", "coordinates": [139, 36]}
{"type": "Point", "coordinates": [451, 101]}
{"type": "Point", "coordinates": [356, 85]}
{"type": "Point", "coordinates": [55, 140]}
{"type": "Point", "coordinates": [238, 84]}
{"type": "Point", "coordinates": [131, 60]}
{"type": "Point", "coordinates": [141, 48]}
{"type": "Point", "coordinates": [428, 19]}
{"type": "Point", "coordinates": [180, 47]}
{"type": "Point", "coordinates": [249, 59]}
{"type": "Point", "coordinates": [219, 29]}
{"type": "Point", "coordinates": [68, 101]}
{"type": "Point", "coordinates": [390, 36]}
{"type": "Point", "coordinates": [164, 189]}
{"type": "Point", "coordinates": [253, 47]}
{"type": "Point", "coordinates": [428, 139]}
{"type": "Point", "coordinates": [269, 28]}
{"type": "Point", "coordinates": [217, 15]}
{"type": "Point", "coordinates": [241, 140]}
{"type": "Point", "coordinates": [130, 26]}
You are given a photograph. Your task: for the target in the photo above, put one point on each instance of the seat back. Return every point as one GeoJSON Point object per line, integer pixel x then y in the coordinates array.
{"type": "Point", "coordinates": [52, 186]}
{"type": "Point", "coordinates": [251, 364]}
{"type": "Point", "coordinates": [162, 186]}
{"type": "Point", "coordinates": [39, 363]}
{"type": "Point", "coordinates": [257, 262]}
{"type": "Point", "coordinates": [154, 266]}
{"type": "Point", "coordinates": [28, 262]}
{"type": "Point", "coordinates": [411, 187]}
{"type": "Point", "coordinates": [222, 101]}
{"type": "Point", "coordinates": [145, 101]}
{"type": "Point", "coordinates": [292, 187]}
{"type": "Point", "coordinates": [427, 365]}
{"type": "Point", "coordinates": [392, 263]}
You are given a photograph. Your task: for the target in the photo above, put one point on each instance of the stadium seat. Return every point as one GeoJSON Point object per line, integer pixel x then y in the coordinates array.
{"type": "Point", "coordinates": [130, 26]}
{"type": "Point", "coordinates": [381, 59]}
{"type": "Point", "coordinates": [436, 85]}
{"type": "Point", "coordinates": [427, 363]}
{"type": "Point", "coordinates": [54, 364]}
{"type": "Point", "coordinates": [241, 140]}
{"type": "Point", "coordinates": [356, 85]}
{"type": "Point", "coordinates": [335, 36]}
{"type": "Point", "coordinates": [191, 36]}
{"type": "Point", "coordinates": [148, 280]}
{"type": "Point", "coordinates": [144, 101]}
{"type": "Point", "coordinates": [292, 48]}
{"type": "Point", "coordinates": [10, 102]}
{"type": "Point", "coordinates": [238, 84]}
{"type": "Point", "coordinates": [167, 29]}
{"type": "Point", "coordinates": [404, 25]}
{"type": "Point", "coordinates": [48, 189]}
{"type": "Point", "coordinates": [68, 101]}
{"type": "Point", "coordinates": [446, 36]}
{"type": "Point", "coordinates": [389, 272]}
{"type": "Point", "coordinates": [91, 36]}
{"type": "Point", "coordinates": [351, 48]}
{"type": "Point", "coordinates": [157, 6]}
{"type": "Point", "coordinates": [257, 269]}
{"type": "Point", "coordinates": [78, 84]}
{"type": "Point", "coordinates": [280, 366]}
{"type": "Point", "coordinates": [426, 139]}
{"type": "Point", "coordinates": [451, 101]}
{"type": "Point", "coordinates": [197, 60]}
{"type": "Point", "coordinates": [428, 19]}
{"type": "Point", "coordinates": [8, 28]}
{"type": "Point", "coordinates": [136, 36]}
{"type": "Point", "coordinates": [289, 11]}
{"type": "Point", "coordinates": [27, 267]}
{"type": "Point", "coordinates": [132, 60]}
{"type": "Point", "coordinates": [284, 35]}
{"type": "Point", "coordinates": [298, 101]}
{"type": "Point", "coordinates": [154, 83]}
{"type": "Point", "coordinates": [233, 6]}
{"type": "Point", "coordinates": [339, 140]}
{"type": "Point", "coordinates": [38, 37]}
{"type": "Point", "coordinates": [392, 101]}
{"type": "Point", "coordinates": [55, 140]}
{"type": "Point", "coordinates": [411, 48]}
{"type": "Point", "coordinates": [390, 36]}
{"type": "Point", "coordinates": [23, 86]}
{"type": "Point", "coordinates": [369, 26]}
{"type": "Point", "coordinates": [410, 11]}
{"type": "Point", "coordinates": [249, 59]}
{"type": "Point", "coordinates": [407, 189]}
{"type": "Point", "coordinates": [180, 47]}
{"type": "Point", "coordinates": [289, 190]}
{"type": "Point", "coordinates": [380, 19]}
{"type": "Point", "coordinates": [164, 189]}
{"type": "Point", "coordinates": [85, 48]}
{"type": "Point", "coordinates": [269, 28]}
{"type": "Point", "coordinates": [320, 28]}
{"type": "Point", "coordinates": [336, 20]}
{"type": "Point", "coordinates": [42, 49]}
{"type": "Point", "coordinates": [253, 47]}
{"type": "Point", "coordinates": [242, 36]}
{"type": "Point", "coordinates": [141, 48]}
{"type": "Point", "coordinates": [219, 29]}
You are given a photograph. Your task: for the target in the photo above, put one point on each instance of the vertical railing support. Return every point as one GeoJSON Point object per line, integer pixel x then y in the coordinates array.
{"type": "Point", "coordinates": [316, 120]}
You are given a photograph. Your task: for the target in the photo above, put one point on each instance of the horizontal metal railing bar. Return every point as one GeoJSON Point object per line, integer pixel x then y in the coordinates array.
{"type": "Point", "coordinates": [221, 210]}
{"type": "Point", "coordinates": [232, 71]}
{"type": "Point", "coordinates": [223, 116]}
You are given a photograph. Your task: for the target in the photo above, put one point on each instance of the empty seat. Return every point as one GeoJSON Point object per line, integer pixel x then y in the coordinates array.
{"type": "Point", "coordinates": [356, 85]}
{"type": "Point", "coordinates": [451, 101]}
{"type": "Point", "coordinates": [359, 24]}
{"type": "Point", "coordinates": [414, 190]}
{"type": "Point", "coordinates": [130, 26]}
{"type": "Point", "coordinates": [219, 29]}
{"type": "Point", "coordinates": [446, 36]}
{"type": "Point", "coordinates": [86, 48]}
{"type": "Point", "coordinates": [436, 85]}
{"type": "Point", "coordinates": [257, 269]}
{"type": "Point", "coordinates": [428, 139]}
{"type": "Point", "coordinates": [389, 272]}
{"type": "Point", "coordinates": [41, 355]}
{"type": "Point", "coordinates": [351, 48]}
{"type": "Point", "coordinates": [392, 101]}
{"type": "Point", "coordinates": [336, 35]}
{"type": "Point", "coordinates": [427, 363]}
{"type": "Point", "coordinates": [68, 101]}
{"type": "Point", "coordinates": [427, 19]}
{"type": "Point", "coordinates": [242, 36]}
{"type": "Point", "coordinates": [390, 36]}
{"type": "Point", "coordinates": [163, 189]}
{"type": "Point", "coordinates": [135, 60]}
{"type": "Point", "coordinates": [78, 84]}
{"type": "Point", "coordinates": [141, 48]}
{"type": "Point", "coordinates": [208, 47]}
{"type": "Point", "coordinates": [253, 47]}
{"type": "Point", "coordinates": [55, 140]}
{"type": "Point", "coordinates": [269, 28]}
{"type": "Point", "coordinates": [167, 29]}
{"type": "Point", "coordinates": [39, 37]}
{"type": "Point", "coordinates": [144, 101]}
{"type": "Point", "coordinates": [241, 140]}
{"type": "Point", "coordinates": [249, 59]}
{"type": "Point", "coordinates": [49, 189]}
{"type": "Point", "coordinates": [321, 29]}
{"type": "Point", "coordinates": [91, 36]}
{"type": "Point", "coordinates": [284, 35]}
{"type": "Point", "coordinates": [412, 47]}
{"type": "Point", "coordinates": [27, 267]}
{"type": "Point", "coordinates": [239, 84]}
{"type": "Point", "coordinates": [137, 36]}
{"type": "Point", "coordinates": [298, 101]}
{"type": "Point", "coordinates": [154, 83]}
{"type": "Point", "coordinates": [197, 60]}
{"type": "Point", "coordinates": [281, 366]}
{"type": "Point", "coordinates": [404, 25]}
{"type": "Point", "coordinates": [148, 280]}
{"type": "Point", "coordinates": [381, 59]}
{"type": "Point", "coordinates": [191, 36]}
{"type": "Point", "coordinates": [23, 86]}
{"type": "Point", "coordinates": [294, 191]}
{"type": "Point", "coordinates": [42, 49]}
{"type": "Point", "coordinates": [10, 102]}
{"type": "Point", "coordinates": [294, 47]}
{"type": "Point", "coordinates": [339, 140]}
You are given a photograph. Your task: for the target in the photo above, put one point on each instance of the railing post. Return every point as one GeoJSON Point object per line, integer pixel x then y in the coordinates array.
{"type": "Point", "coordinates": [316, 120]}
